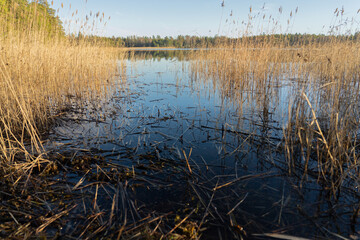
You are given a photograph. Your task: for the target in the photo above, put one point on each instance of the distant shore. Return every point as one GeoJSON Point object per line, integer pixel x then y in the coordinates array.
{"type": "Point", "coordinates": [155, 48]}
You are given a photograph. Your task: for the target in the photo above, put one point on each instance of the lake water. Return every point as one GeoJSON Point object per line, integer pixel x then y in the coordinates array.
{"type": "Point", "coordinates": [187, 144]}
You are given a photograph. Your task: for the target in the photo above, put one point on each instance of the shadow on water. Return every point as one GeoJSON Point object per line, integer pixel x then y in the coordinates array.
{"type": "Point", "coordinates": [168, 153]}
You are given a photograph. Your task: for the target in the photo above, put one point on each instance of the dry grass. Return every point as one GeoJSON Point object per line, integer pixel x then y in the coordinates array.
{"type": "Point", "coordinates": [40, 76]}
{"type": "Point", "coordinates": [322, 127]}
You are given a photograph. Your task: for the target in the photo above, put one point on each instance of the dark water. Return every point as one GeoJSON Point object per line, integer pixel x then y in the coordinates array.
{"type": "Point", "coordinates": [160, 112]}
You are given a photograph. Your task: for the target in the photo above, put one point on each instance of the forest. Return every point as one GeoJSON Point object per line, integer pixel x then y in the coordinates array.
{"type": "Point", "coordinates": [26, 16]}
{"type": "Point", "coordinates": [207, 41]}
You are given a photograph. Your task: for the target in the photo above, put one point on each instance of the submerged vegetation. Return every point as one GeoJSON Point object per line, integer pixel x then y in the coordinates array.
{"type": "Point", "coordinates": [87, 151]}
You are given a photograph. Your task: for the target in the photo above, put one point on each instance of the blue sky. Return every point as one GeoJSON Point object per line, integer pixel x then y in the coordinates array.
{"type": "Point", "coordinates": [208, 17]}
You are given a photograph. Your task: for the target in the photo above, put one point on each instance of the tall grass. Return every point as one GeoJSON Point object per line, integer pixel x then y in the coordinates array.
{"type": "Point", "coordinates": [41, 70]}
{"type": "Point", "coordinates": [320, 135]}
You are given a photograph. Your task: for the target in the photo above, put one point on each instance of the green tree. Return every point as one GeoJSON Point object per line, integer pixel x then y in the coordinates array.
{"type": "Point", "coordinates": [24, 16]}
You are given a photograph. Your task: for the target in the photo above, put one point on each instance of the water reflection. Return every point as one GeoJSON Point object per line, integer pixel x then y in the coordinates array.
{"type": "Point", "coordinates": [174, 54]}
{"type": "Point", "coordinates": [195, 143]}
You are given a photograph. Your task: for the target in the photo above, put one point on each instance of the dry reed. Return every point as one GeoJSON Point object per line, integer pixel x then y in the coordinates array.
{"type": "Point", "coordinates": [321, 129]}
{"type": "Point", "coordinates": [42, 74]}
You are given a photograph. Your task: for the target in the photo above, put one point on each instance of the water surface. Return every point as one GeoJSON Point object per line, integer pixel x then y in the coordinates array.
{"type": "Point", "coordinates": [192, 145]}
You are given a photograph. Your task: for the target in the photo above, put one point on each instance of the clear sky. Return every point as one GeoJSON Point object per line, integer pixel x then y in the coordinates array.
{"type": "Point", "coordinates": [209, 17]}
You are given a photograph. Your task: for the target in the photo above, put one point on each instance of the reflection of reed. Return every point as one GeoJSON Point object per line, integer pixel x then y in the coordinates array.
{"type": "Point", "coordinates": [321, 112]}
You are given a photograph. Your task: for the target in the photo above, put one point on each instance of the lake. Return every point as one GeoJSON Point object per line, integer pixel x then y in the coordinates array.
{"type": "Point", "coordinates": [170, 145]}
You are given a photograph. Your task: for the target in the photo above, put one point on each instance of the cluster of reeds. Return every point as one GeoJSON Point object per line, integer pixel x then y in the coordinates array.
{"type": "Point", "coordinates": [323, 122]}
{"type": "Point", "coordinates": [321, 119]}
{"type": "Point", "coordinates": [41, 73]}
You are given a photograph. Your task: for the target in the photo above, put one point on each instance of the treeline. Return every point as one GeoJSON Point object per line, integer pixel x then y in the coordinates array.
{"type": "Point", "coordinates": [156, 41]}
{"type": "Point", "coordinates": [205, 42]}
{"type": "Point", "coordinates": [29, 16]}
{"type": "Point", "coordinates": [299, 39]}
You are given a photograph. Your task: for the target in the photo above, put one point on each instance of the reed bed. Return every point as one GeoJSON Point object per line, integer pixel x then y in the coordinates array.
{"type": "Point", "coordinates": [41, 70]}
{"type": "Point", "coordinates": [321, 127]}
{"type": "Point", "coordinates": [39, 81]}
{"type": "Point", "coordinates": [43, 74]}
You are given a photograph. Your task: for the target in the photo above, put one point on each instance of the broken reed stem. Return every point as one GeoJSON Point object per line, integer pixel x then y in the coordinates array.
{"type": "Point", "coordinates": [50, 220]}
{"type": "Point", "coordinates": [179, 224]}
{"type": "Point", "coordinates": [187, 159]}
{"type": "Point", "coordinates": [323, 139]}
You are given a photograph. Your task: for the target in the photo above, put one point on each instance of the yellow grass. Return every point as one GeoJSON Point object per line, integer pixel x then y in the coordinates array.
{"type": "Point", "coordinates": [39, 76]}
{"type": "Point", "coordinates": [323, 111]}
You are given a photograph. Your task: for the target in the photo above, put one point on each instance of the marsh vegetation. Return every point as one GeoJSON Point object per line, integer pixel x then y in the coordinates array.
{"type": "Point", "coordinates": [256, 137]}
